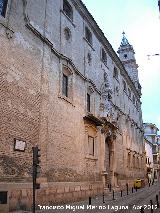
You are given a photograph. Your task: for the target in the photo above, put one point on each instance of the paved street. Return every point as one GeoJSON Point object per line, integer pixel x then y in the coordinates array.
{"type": "Point", "coordinates": [128, 203]}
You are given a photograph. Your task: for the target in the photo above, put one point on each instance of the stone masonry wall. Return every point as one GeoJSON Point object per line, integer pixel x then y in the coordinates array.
{"type": "Point", "coordinates": [34, 53]}
{"type": "Point", "coordinates": [20, 195]}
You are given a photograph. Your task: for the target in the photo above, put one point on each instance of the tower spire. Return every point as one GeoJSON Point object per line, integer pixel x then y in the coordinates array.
{"type": "Point", "coordinates": [124, 40]}
{"type": "Point", "coordinates": [126, 55]}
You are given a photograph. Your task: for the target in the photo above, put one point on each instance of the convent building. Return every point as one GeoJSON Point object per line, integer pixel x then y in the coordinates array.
{"type": "Point", "coordinates": [64, 88]}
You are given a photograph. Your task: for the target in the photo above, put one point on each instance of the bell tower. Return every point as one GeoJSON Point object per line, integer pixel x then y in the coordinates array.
{"type": "Point", "coordinates": [126, 55]}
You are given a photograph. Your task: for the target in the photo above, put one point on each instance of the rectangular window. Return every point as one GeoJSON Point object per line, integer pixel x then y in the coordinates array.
{"type": "Point", "coordinates": [129, 160]}
{"type": "Point", "coordinates": [88, 35]}
{"type": "Point", "coordinates": [134, 161]}
{"type": "Point", "coordinates": [124, 86]}
{"type": "Point", "coordinates": [67, 9]}
{"type": "Point", "coordinates": [3, 7]}
{"type": "Point", "coordinates": [129, 93]}
{"type": "Point", "coordinates": [115, 73]}
{"type": "Point", "coordinates": [91, 146]}
{"type": "Point", "coordinates": [3, 197]}
{"type": "Point", "coordinates": [133, 99]}
{"type": "Point", "coordinates": [65, 85]}
{"type": "Point", "coordinates": [104, 56]}
{"type": "Point", "coordinates": [88, 102]}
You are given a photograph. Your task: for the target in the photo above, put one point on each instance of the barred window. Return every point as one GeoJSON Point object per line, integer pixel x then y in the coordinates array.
{"type": "Point", "coordinates": [3, 7]}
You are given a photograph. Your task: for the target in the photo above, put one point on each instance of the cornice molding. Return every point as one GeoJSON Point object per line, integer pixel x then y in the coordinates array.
{"type": "Point", "coordinates": [101, 37]}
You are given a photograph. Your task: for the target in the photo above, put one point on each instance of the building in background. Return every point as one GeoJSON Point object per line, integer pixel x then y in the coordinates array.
{"type": "Point", "coordinates": [149, 160]}
{"type": "Point", "coordinates": [64, 88]}
{"type": "Point", "coordinates": [151, 134]}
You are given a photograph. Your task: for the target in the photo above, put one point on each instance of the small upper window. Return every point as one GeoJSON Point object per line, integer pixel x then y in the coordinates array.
{"type": "Point", "coordinates": [104, 56]}
{"type": "Point", "coordinates": [65, 85]}
{"type": "Point", "coordinates": [115, 73]}
{"type": "Point", "coordinates": [88, 35]}
{"type": "Point", "coordinates": [67, 9]}
{"type": "Point", "coordinates": [3, 7]}
{"type": "Point", "coordinates": [89, 57]}
{"type": "Point", "coordinates": [91, 146]}
{"type": "Point", "coordinates": [129, 93]}
{"type": "Point", "coordinates": [125, 55]}
{"type": "Point", "coordinates": [133, 99]}
{"type": "Point", "coordinates": [88, 102]}
{"type": "Point", "coordinates": [124, 86]}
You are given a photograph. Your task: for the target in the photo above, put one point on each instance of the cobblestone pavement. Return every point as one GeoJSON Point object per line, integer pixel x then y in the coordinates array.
{"type": "Point", "coordinates": [130, 203]}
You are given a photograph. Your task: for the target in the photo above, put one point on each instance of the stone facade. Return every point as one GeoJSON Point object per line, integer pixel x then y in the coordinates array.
{"type": "Point", "coordinates": [149, 158]}
{"type": "Point", "coordinates": [64, 88]}
{"type": "Point", "coordinates": [151, 134]}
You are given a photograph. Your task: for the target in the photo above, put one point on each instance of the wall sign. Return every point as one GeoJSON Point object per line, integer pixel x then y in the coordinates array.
{"type": "Point", "coordinates": [19, 145]}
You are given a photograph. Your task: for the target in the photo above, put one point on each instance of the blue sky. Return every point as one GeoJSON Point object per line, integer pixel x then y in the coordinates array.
{"type": "Point", "coordinates": [140, 20]}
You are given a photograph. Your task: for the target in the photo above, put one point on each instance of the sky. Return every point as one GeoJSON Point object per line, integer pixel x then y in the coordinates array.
{"type": "Point", "coordinates": [140, 20]}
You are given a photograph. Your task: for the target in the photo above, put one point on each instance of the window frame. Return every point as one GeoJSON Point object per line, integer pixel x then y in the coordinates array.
{"type": "Point", "coordinates": [129, 160]}
{"type": "Point", "coordinates": [115, 73]}
{"type": "Point", "coordinates": [66, 71]}
{"type": "Point", "coordinates": [93, 146]}
{"type": "Point", "coordinates": [4, 8]}
{"type": "Point", "coordinates": [104, 56]}
{"type": "Point", "coordinates": [67, 9]}
{"type": "Point", "coordinates": [124, 86]}
{"type": "Point", "coordinates": [88, 102]}
{"type": "Point", "coordinates": [88, 35]}
{"type": "Point", "coordinates": [129, 93]}
{"type": "Point", "coordinates": [134, 161]}
{"type": "Point", "coordinates": [133, 99]}
{"type": "Point", "coordinates": [65, 85]}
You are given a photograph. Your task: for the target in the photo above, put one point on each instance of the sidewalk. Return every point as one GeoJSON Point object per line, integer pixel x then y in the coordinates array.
{"type": "Point", "coordinates": [127, 203]}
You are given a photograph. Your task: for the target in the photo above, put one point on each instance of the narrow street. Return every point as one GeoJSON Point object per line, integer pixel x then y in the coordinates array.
{"type": "Point", "coordinates": [127, 203]}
